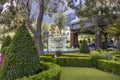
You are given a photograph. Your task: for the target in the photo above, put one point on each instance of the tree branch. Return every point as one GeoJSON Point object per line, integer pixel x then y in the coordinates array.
{"type": "Point", "coordinates": [27, 17]}
{"type": "Point", "coordinates": [40, 16]}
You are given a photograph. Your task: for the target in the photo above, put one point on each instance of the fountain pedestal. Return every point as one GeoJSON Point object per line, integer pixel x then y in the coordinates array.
{"type": "Point", "coordinates": [57, 43]}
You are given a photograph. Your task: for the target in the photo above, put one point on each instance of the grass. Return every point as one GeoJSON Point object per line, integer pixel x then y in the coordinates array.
{"type": "Point", "coordinates": [75, 73]}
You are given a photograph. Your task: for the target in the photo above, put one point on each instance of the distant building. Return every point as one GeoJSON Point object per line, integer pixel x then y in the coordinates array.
{"type": "Point", "coordinates": [69, 18]}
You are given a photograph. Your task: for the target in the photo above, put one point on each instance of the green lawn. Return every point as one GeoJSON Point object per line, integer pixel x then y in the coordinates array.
{"type": "Point", "coordinates": [74, 73]}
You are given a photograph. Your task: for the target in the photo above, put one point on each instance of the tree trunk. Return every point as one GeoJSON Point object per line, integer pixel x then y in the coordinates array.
{"type": "Point", "coordinates": [38, 42]}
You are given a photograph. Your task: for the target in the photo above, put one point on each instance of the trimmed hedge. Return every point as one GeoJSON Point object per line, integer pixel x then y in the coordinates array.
{"type": "Point", "coordinates": [109, 66]}
{"type": "Point", "coordinates": [76, 55]}
{"type": "Point", "coordinates": [53, 73]}
{"type": "Point", "coordinates": [74, 61]}
{"type": "Point", "coordinates": [52, 55]}
{"type": "Point", "coordinates": [47, 59]}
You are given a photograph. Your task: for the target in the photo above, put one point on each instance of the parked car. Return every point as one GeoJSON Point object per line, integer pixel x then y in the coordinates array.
{"type": "Point", "coordinates": [91, 44]}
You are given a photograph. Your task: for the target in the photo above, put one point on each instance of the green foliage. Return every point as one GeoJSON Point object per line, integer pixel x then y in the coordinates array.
{"type": "Point", "coordinates": [53, 73]}
{"type": "Point", "coordinates": [58, 53]}
{"type": "Point", "coordinates": [117, 58]}
{"type": "Point", "coordinates": [95, 55]}
{"type": "Point", "coordinates": [6, 42]}
{"type": "Point", "coordinates": [23, 58]}
{"type": "Point", "coordinates": [47, 59]}
{"type": "Point", "coordinates": [60, 21]}
{"type": "Point", "coordinates": [104, 45]}
{"type": "Point", "coordinates": [74, 61]}
{"type": "Point", "coordinates": [5, 50]}
{"type": "Point", "coordinates": [51, 55]}
{"type": "Point", "coordinates": [106, 55]}
{"type": "Point", "coordinates": [76, 55]}
{"type": "Point", "coordinates": [84, 48]}
{"type": "Point", "coordinates": [110, 66]}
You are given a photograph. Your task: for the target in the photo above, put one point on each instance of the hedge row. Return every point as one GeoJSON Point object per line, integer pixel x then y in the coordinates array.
{"type": "Point", "coordinates": [47, 59]}
{"type": "Point", "coordinates": [74, 62]}
{"type": "Point", "coordinates": [109, 66]}
{"type": "Point", "coordinates": [53, 73]}
{"type": "Point", "coordinates": [76, 55]}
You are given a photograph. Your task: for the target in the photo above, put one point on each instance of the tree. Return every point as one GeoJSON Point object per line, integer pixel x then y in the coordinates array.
{"type": "Point", "coordinates": [22, 58]}
{"type": "Point", "coordinates": [60, 21]}
{"type": "Point", "coordinates": [113, 30]}
{"type": "Point", "coordinates": [45, 7]}
{"type": "Point", "coordinates": [102, 12]}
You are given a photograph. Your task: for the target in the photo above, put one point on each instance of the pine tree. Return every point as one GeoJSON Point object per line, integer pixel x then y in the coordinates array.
{"type": "Point", "coordinates": [23, 58]}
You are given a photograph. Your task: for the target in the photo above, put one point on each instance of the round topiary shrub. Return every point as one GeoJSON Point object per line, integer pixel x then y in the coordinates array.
{"type": "Point", "coordinates": [58, 53]}
{"type": "Point", "coordinates": [84, 48]}
{"type": "Point", "coordinates": [23, 58]}
{"type": "Point", "coordinates": [5, 44]}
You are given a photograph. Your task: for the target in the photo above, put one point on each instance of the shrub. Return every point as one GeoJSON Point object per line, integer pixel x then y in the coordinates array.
{"type": "Point", "coordinates": [47, 59]}
{"type": "Point", "coordinates": [74, 61]}
{"type": "Point", "coordinates": [58, 53]}
{"type": "Point", "coordinates": [99, 49]}
{"type": "Point", "coordinates": [109, 65]}
{"type": "Point", "coordinates": [106, 55]}
{"type": "Point", "coordinates": [84, 48]}
{"type": "Point", "coordinates": [117, 58]}
{"type": "Point", "coordinates": [115, 51]}
{"type": "Point", "coordinates": [53, 73]}
{"type": "Point", "coordinates": [23, 58]}
{"type": "Point", "coordinates": [5, 44]}
{"type": "Point", "coordinates": [95, 55]}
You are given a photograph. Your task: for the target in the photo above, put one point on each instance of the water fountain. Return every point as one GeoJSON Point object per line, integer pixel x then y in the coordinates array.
{"type": "Point", "coordinates": [58, 43]}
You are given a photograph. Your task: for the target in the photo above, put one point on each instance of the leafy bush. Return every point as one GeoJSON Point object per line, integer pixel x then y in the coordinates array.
{"type": "Point", "coordinates": [117, 58]}
{"type": "Point", "coordinates": [95, 55]}
{"type": "Point", "coordinates": [84, 48]}
{"type": "Point", "coordinates": [115, 51]}
{"type": "Point", "coordinates": [109, 65]}
{"type": "Point", "coordinates": [106, 55]}
{"type": "Point", "coordinates": [23, 58]}
{"type": "Point", "coordinates": [58, 53]}
{"type": "Point", "coordinates": [47, 59]}
{"type": "Point", "coordinates": [5, 44]}
{"type": "Point", "coordinates": [53, 73]}
{"type": "Point", "coordinates": [74, 61]}
{"type": "Point", "coordinates": [99, 49]}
